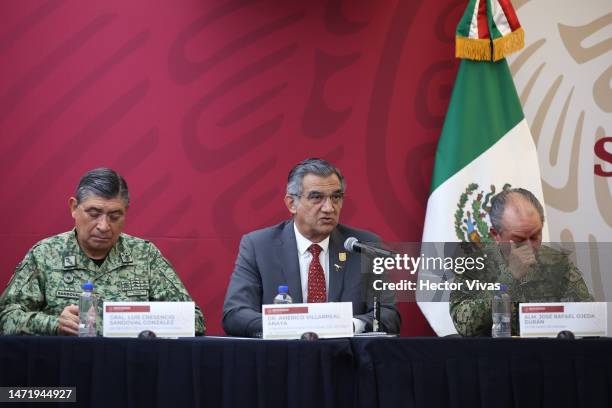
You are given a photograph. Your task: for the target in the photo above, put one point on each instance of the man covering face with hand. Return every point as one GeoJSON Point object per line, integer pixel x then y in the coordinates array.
{"type": "Point", "coordinates": [530, 271]}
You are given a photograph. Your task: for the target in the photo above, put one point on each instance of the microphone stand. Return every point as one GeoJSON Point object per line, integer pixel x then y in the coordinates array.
{"type": "Point", "coordinates": [376, 326]}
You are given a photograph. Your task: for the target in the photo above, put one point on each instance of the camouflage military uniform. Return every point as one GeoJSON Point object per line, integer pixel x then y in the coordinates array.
{"type": "Point", "coordinates": [52, 272]}
{"type": "Point", "coordinates": [552, 278]}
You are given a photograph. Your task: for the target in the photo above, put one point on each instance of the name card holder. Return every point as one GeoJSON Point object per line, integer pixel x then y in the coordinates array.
{"type": "Point", "coordinates": [584, 319]}
{"type": "Point", "coordinates": [290, 321]}
{"type": "Point", "coordinates": [165, 319]}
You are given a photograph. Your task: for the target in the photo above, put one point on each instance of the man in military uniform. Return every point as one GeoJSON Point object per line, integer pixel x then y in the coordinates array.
{"type": "Point", "coordinates": [42, 296]}
{"type": "Point", "coordinates": [518, 261]}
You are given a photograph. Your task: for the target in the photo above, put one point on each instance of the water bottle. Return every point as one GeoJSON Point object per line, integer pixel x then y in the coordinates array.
{"type": "Point", "coordinates": [282, 297]}
{"type": "Point", "coordinates": [501, 307]}
{"type": "Point", "coordinates": [87, 311]}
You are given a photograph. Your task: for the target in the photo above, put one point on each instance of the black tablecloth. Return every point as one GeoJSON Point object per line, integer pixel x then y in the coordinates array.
{"type": "Point", "coordinates": [207, 372]}
{"type": "Point", "coordinates": [483, 372]}
{"type": "Point", "coordinates": [381, 372]}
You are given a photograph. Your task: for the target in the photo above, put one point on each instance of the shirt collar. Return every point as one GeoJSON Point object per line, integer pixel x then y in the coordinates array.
{"type": "Point", "coordinates": [303, 243]}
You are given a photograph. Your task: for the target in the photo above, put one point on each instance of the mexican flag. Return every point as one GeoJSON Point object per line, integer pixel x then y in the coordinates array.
{"type": "Point", "coordinates": [485, 145]}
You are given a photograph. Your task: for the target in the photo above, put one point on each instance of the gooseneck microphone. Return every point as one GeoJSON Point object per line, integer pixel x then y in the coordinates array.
{"type": "Point", "coordinates": [352, 244]}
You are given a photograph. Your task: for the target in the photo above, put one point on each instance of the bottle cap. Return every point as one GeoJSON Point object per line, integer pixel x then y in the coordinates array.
{"type": "Point", "coordinates": [283, 289]}
{"type": "Point", "coordinates": [88, 286]}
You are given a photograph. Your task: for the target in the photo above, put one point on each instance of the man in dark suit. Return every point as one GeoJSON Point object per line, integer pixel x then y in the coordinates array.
{"type": "Point", "coordinates": [305, 253]}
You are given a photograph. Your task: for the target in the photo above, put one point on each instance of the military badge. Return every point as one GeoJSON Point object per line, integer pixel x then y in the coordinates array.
{"type": "Point", "coordinates": [137, 293]}
{"type": "Point", "coordinates": [68, 277]}
{"type": "Point", "coordinates": [135, 287]}
{"type": "Point", "coordinates": [69, 294]}
{"type": "Point", "coordinates": [69, 261]}
{"type": "Point", "coordinates": [126, 257]}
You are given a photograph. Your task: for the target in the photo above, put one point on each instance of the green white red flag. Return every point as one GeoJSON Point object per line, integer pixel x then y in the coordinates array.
{"type": "Point", "coordinates": [485, 145]}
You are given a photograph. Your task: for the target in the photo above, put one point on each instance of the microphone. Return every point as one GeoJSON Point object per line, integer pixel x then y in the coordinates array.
{"type": "Point", "coordinates": [147, 334]}
{"type": "Point", "coordinates": [352, 244]}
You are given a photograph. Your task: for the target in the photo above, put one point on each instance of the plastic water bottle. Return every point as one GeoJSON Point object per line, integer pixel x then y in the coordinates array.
{"type": "Point", "coordinates": [283, 297]}
{"type": "Point", "coordinates": [501, 307]}
{"type": "Point", "coordinates": [87, 311]}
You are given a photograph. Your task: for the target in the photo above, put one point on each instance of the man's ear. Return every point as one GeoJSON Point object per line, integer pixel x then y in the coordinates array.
{"type": "Point", "coordinates": [290, 202]}
{"type": "Point", "coordinates": [72, 204]}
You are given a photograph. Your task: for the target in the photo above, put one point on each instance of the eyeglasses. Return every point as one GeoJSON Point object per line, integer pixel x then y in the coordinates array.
{"type": "Point", "coordinates": [315, 197]}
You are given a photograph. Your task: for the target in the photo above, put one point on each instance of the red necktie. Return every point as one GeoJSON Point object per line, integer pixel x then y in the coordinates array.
{"type": "Point", "coordinates": [316, 277]}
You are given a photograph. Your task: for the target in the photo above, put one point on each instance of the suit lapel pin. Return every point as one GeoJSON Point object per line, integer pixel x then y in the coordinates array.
{"type": "Point", "coordinates": [338, 267]}
{"type": "Point", "coordinates": [342, 256]}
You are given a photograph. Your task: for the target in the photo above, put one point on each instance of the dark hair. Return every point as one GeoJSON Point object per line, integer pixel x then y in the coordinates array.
{"type": "Point", "coordinates": [102, 182]}
{"type": "Point", "coordinates": [499, 201]}
{"type": "Point", "coordinates": [313, 165]}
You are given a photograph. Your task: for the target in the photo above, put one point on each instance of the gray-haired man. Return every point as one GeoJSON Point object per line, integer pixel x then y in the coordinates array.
{"type": "Point", "coordinates": [42, 295]}
{"type": "Point", "coordinates": [306, 253]}
{"type": "Point", "coordinates": [532, 272]}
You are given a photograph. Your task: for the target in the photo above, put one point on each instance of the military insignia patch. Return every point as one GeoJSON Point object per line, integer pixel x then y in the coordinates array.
{"type": "Point", "coordinates": [126, 257]}
{"type": "Point", "coordinates": [67, 294]}
{"type": "Point", "coordinates": [69, 261]}
{"type": "Point", "coordinates": [134, 285]}
{"type": "Point", "coordinates": [472, 225]}
{"type": "Point", "coordinates": [137, 293]}
{"type": "Point", "coordinates": [68, 277]}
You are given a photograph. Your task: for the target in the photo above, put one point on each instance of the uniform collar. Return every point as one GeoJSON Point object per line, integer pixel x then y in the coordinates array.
{"type": "Point", "coordinates": [74, 257]}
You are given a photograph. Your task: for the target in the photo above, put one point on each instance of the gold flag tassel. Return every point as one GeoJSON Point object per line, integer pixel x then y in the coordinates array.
{"type": "Point", "coordinates": [508, 44]}
{"type": "Point", "coordinates": [473, 48]}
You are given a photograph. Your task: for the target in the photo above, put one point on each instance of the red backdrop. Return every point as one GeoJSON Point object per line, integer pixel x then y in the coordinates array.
{"type": "Point", "coordinates": [204, 106]}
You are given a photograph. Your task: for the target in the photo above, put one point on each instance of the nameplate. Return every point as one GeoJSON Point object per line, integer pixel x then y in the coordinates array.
{"type": "Point", "coordinates": [548, 319]}
{"type": "Point", "coordinates": [328, 320]}
{"type": "Point", "coordinates": [165, 319]}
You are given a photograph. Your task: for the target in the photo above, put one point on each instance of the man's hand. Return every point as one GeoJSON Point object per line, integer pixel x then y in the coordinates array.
{"type": "Point", "coordinates": [521, 257]}
{"type": "Point", "coordinates": [69, 321]}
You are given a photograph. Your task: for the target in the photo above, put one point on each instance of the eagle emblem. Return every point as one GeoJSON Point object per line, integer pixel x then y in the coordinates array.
{"type": "Point", "coordinates": [472, 224]}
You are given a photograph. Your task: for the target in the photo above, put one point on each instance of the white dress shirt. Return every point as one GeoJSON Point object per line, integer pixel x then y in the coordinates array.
{"type": "Point", "coordinates": [305, 256]}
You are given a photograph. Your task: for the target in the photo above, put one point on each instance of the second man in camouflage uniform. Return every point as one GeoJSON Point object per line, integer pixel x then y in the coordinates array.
{"type": "Point", "coordinates": [530, 271]}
